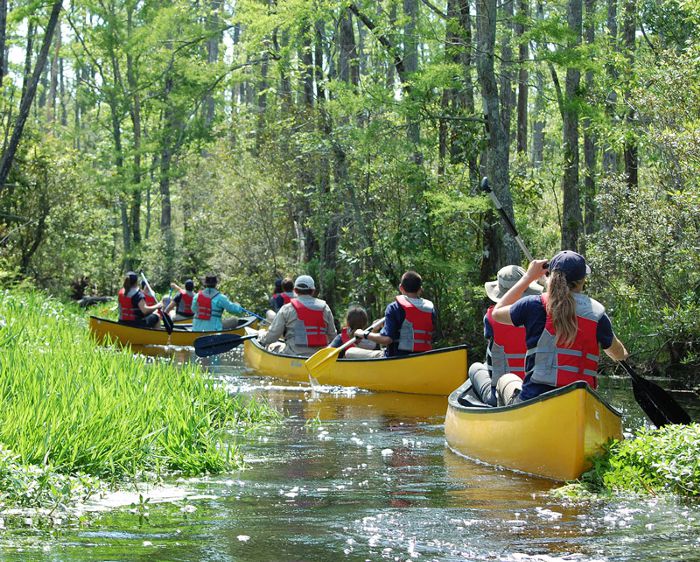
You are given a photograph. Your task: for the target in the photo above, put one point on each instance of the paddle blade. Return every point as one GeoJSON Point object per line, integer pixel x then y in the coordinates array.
{"type": "Point", "coordinates": [321, 361]}
{"type": "Point", "coordinates": [659, 406]}
{"type": "Point", "coordinates": [206, 346]}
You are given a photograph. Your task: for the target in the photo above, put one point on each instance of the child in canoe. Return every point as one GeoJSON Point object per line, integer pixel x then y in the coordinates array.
{"type": "Point", "coordinates": [356, 319]}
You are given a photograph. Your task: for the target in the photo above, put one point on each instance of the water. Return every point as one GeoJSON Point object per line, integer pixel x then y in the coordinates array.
{"type": "Point", "coordinates": [352, 475]}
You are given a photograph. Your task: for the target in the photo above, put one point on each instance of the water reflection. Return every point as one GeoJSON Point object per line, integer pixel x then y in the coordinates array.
{"type": "Point", "coordinates": [354, 475]}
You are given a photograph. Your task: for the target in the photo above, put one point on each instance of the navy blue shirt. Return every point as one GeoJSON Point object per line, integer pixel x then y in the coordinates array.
{"type": "Point", "coordinates": [531, 313]}
{"type": "Point", "coordinates": [394, 315]}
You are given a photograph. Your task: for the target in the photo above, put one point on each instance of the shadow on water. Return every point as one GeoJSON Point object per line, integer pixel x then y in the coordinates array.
{"type": "Point", "coordinates": [354, 475]}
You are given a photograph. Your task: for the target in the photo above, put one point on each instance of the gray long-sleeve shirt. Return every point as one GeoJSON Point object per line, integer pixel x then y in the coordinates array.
{"type": "Point", "coordinates": [284, 324]}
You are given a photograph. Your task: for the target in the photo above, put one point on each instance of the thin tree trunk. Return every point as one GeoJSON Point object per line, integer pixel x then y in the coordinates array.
{"type": "Point", "coordinates": [497, 251]}
{"type": "Point", "coordinates": [631, 152]}
{"type": "Point", "coordinates": [507, 93]}
{"type": "Point", "coordinates": [53, 81]}
{"type": "Point", "coordinates": [213, 27]}
{"type": "Point", "coordinates": [610, 157]}
{"type": "Point", "coordinates": [572, 220]}
{"type": "Point", "coordinates": [523, 55]}
{"type": "Point", "coordinates": [28, 96]}
{"type": "Point", "coordinates": [135, 111]}
{"type": "Point", "coordinates": [410, 62]}
{"type": "Point", "coordinates": [3, 31]}
{"type": "Point", "coordinates": [589, 140]}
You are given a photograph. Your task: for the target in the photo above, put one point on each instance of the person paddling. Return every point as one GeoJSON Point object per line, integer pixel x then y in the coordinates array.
{"type": "Point", "coordinates": [506, 348]}
{"type": "Point", "coordinates": [182, 302]}
{"type": "Point", "coordinates": [563, 329]}
{"type": "Point", "coordinates": [208, 306]}
{"type": "Point", "coordinates": [409, 321]}
{"type": "Point", "coordinates": [306, 323]}
{"type": "Point", "coordinates": [133, 309]}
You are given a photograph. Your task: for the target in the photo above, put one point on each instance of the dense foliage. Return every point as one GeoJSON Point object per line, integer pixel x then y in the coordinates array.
{"type": "Point", "coordinates": [656, 461]}
{"type": "Point", "coordinates": [262, 138]}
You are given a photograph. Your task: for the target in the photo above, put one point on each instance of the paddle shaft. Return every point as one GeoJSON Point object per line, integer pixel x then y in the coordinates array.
{"type": "Point", "coordinates": [169, 325]}
{"type": "Point", "coordinates": [255, 315]}
{"type": "Point", "coordinates": [510, 227]}
{"type": "Point", "coordinates": [320, 359]}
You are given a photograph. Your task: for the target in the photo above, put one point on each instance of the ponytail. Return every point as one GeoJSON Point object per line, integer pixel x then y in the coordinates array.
{"type": "Point", "coordinates": [562, 308]}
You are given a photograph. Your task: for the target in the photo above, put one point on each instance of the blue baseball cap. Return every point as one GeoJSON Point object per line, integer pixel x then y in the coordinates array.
{"type": "Point", "coordinates": [572, 264]}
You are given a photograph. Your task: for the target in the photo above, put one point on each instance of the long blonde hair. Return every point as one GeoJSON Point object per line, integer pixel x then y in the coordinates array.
{"type": "Point", "coordinates": [562, 308]}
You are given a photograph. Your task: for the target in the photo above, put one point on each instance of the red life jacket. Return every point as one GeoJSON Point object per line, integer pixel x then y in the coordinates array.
{"type": "Point", "coordinates": [184, 307]}
{"type": "Point", "coordinates": [127, 311]}
{"type": "Point", "coordinates": [287, 297]}
{"type": "Point", "coordinates": [558, 365]}
{"type": "Point", "coordinates": [416, 332]}
{"type": "Point", "coordinates": [204, 311]}
{"type": "Point", "coordinates": [149, 298]}
{"type": "Point", "coordinates": [310, 328]}
{"type": "Point", "coordinates": [507, 350]}
{"type": "Point", "coordinates": [346, 336]}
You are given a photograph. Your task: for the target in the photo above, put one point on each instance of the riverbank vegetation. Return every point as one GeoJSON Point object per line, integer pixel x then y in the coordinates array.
{"type": "Point", "coordinates": [72, 412]}
{"type": "Point", "coordinates": [347, 140]}
{"type": "Point", "coordinates": [656, 462]}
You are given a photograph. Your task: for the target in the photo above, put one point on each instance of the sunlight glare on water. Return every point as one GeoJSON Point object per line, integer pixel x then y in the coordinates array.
{"type": "Point", "coordinates": [355, 475]}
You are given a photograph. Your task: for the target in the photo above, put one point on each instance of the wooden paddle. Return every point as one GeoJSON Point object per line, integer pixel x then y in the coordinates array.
{"type": "Point", "coordinates": [206, 346]}
{"type": "Point", "coordinates": [167, 321]}
{"type": "Point", "coordinates": [319, 363]}
{"type": "Point", "coordinates": [659, 406]}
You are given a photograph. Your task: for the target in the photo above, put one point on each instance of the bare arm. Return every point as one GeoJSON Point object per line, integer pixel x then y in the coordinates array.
{"type": "Point", "coordinates": [617, 351]}
{"type": "Point", "coordinates": [146, 309]}
{"type": "Point", "coordinates": [501, 312]}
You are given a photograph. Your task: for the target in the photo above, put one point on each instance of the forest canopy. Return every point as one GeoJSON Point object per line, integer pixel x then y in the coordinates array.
{"type": "Point", "coordinates": [258, 139]}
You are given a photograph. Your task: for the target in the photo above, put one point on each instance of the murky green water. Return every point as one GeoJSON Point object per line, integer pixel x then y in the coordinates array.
{"type": "Point", "coordinates": [369, 478]}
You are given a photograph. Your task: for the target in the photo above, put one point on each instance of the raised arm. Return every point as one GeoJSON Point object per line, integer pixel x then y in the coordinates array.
{"type": "Point", "coordinates": [501, 312]}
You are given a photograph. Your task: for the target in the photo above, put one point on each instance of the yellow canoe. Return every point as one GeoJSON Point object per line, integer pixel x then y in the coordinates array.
{"type": "Point", "coordinates": [433, 372]}
{"type": "Point", "coordinates": [108, 330]}
{"type": "Point", "coordinates": [552, 435]}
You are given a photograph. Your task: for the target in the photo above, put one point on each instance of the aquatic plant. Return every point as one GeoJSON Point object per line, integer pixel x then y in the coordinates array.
{"type": "Point", "coordinates": [665, 460]}
{"type": "Point", "coordinates": [79, 408]}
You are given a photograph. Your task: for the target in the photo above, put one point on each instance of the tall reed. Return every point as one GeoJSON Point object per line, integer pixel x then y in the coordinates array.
{"type": "Point", "coordinates": [68, 403]}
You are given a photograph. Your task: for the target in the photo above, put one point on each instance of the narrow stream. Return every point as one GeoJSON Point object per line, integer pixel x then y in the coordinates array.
{"type": "Point", "coordinates": [353, 475]}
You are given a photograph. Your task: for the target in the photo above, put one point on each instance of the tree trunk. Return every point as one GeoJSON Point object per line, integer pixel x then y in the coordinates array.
{"type": "Point", "coordinates": [498, 251]}
{"type": "Point", "coordinates": [216, 34]}
{"type": "Point", "coordinates": [631, 152]}
{"type": "Point", "coordinates": [523, 55]}
{"type": "Point", "coordinates": [572, 220]}
{"type": "Point", "coordinates": [135, 111]}
{"type": "Point", "coordinates": [3, 31]}
{"type": "Point", "coordinates": [610, 158]}
{"type": "Point", "coordinates": [507, 96]}
{"type": "Point", "coordinates": [28, 96]}
{"type": "Point", "coordinates": [53, 81]}
{"type": "Point", "coordinates": [410, 62]}
{"type": "Point", "coordinates": [589, 140]}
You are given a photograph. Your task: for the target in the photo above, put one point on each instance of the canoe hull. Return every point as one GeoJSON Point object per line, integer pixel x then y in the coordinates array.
{"type": "Point", "coordinates": [108, 330]}
{"type": "Point", "coordinates": [435, 372]}
{"type": "Point", "coordinates": [551, 436]}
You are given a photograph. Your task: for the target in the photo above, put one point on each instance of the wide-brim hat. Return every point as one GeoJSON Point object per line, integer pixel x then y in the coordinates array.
{"type": "Point", "coordinates": [507, 277]}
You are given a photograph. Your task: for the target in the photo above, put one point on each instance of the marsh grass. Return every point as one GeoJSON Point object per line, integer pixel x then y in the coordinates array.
{"type": "Point", "coordinates": [83, 409]}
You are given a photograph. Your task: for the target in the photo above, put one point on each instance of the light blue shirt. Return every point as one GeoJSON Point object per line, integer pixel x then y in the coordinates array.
{"type": "Point", "coordinates": [218, 304]}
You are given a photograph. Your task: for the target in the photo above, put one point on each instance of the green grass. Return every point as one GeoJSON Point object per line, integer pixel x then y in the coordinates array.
{"type": "Point", "coordinates": [78, 408]}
